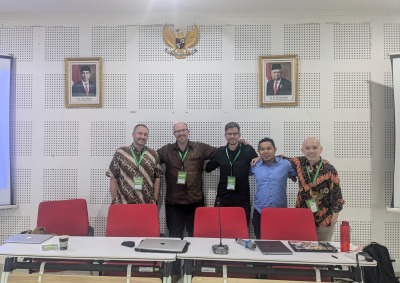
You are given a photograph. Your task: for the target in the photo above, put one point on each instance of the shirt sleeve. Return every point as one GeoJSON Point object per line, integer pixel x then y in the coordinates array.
{"type": "Point", "coordinates": [336, 193]}
{"type": "Point", "coordinates": [208, 151]}
{"type": "Point", "coordinates": [212, 164]}
{"type": "Point", "coordinates": [158, 172]}
{"type": "Point", "coordinates": [114, 169]}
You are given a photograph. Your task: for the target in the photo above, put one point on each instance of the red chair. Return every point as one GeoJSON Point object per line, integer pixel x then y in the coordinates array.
{"type": "Point", "coordinates": [133, 220]}
{"type": "Point", "coordinates": [289, 224]}
{"type": "Point", "coordinates": [233, 223]}
{"type": "Point", "coordinates": [64, 217]}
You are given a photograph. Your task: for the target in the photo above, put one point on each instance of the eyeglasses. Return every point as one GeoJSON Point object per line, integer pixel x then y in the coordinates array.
{"type": "Point", "coordinates": [232, 134]}
{"type": "Point", "coordinates": [180, 131]}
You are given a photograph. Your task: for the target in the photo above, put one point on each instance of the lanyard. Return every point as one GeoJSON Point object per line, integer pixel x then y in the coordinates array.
{"type": "Point", "coordinates": [227, 155]}
{"type": "Point", "coordinates": [141, 156]}
{"type": "Point", "coordinates": [315, 176]}
{"type": "Point", "coordinates": [184, 156]}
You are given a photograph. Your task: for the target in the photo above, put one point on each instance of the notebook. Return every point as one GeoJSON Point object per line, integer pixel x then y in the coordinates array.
{"type": "Point", "coordinates": [162, 246]}
{"type": "Point", "coordinates": [28, 238]}
{"type": "Point", "coordinates": [273, 248]}
{"type": "Point", "coordinates": [312, 246]}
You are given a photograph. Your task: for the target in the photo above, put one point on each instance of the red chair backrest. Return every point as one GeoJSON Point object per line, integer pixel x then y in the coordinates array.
{"type": "Point", "coordinates": [288, 224]}
{"type": "Point", "coordinates": [64, 217]}
{"type": "Point", "coordinates": [133, 220]}
{"type": "Point", "coordinates": [233, 223]}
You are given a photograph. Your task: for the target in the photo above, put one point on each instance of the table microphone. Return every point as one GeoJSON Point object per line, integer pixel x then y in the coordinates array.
{"type": "Point", "coordinates": [249, 244]}
{"type": "Point", "coordinates": [220, 249]}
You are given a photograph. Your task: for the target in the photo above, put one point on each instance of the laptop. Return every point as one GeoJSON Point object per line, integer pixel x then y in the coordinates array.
{"type": "Point", "coordinates": [273, 248]}
{"type": "Point", "coordinates": [28, 238]}
{"type": "Point", "coordinates": [162, 246]}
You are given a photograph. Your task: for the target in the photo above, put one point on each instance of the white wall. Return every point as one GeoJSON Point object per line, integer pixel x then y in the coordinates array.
{"type": "Point", "coordinates": [345, 99]}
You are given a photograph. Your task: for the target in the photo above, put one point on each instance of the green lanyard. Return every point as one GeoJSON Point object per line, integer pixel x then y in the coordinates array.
{"type": "Point", "coordinates": [227, 155]}
{"type": "Point", "coordinates": [184, 156]}
{"type": "Point", "coordinates": [315, 177]}
{"type": "Point", "coordinates": [141, 156]}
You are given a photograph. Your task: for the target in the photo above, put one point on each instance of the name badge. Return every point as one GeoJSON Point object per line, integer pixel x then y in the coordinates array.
{"type": "Point", "coordinates": [181, 177]}
{"type": "Point", "coordinates": [231, 183]}
{"type": "Point", "coordinates": [138, 183]}
{"type": "Point", "coordinates": [312, 204]}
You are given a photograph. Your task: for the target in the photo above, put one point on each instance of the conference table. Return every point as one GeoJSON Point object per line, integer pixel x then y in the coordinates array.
{"type": "Point", "coordinates": [92, 254]}
{"type": "Point", "coordinates": [241, 260]}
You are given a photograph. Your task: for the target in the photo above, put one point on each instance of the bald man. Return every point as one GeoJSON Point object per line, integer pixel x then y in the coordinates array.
{"type": "Point", "coordinates": [319, 188]}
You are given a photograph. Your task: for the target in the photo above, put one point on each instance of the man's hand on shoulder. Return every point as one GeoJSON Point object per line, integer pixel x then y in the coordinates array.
{"type": "Point", "coordinates": [254, 161]}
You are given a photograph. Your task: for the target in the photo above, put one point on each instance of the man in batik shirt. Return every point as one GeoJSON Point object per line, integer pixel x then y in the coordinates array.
{"type": "Point", "coordinates": [319, 188]}
{"type": "Point", "coordinates": [135, 171]}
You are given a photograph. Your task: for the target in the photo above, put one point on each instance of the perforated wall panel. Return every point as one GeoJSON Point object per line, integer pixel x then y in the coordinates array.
{"type": "Point", "coordinates": [258, 37]}
{"type": "Point", "coordinates": [61, 138]}
{"type": "Point", "coordinates": [99, 187]}
{"type": "Point", "coordinates": [356, 188]}
{"type": "Point", "coordinates": [389, 139]}
{"type": "Point", "coordinates": [22, 186]}
{"type": "Point", "coordinates": [391, 40]}
{"type": "Point", "coordinates": [156, 91]}
{"type": "Point", "coordinates": [246, 91]}
{"type": "Point", "coordinates": [210, 184]}
{"type": "Point", "coordinates": [209, 46]}
{"type": "Point", "coordinates": [17, 41]}
{"type": "Point", "coordinates": [114, 91]}
{"type": "Point", "coordinates": [21, 138]}
{"type": "Point", "coordinates": [352, 41]}
{"type": "Point", "coordinates": [204, 91]}
{"type": "Point", "coordinates": [309, 91]}
{"type": "Point", "coordinates": [294, 134]}
{"type": "Point", "coordinates": [21, 94]}
{"type": "Point", "coordinates": [60, 43]}
{"type": "Point", "coordinates": [151, 44]}
{"type": "Point", "coordinates": [160, 133]}
{"type": "Point", "coordinates": [392, 238]}
{"type": "Point", "coordinates": [106, 137]}
{"type": "Point", "coordinates": [360, 232]}
{"type": "Point", "coordinates": [99, 225]}
{"type": "Point", "coordinates": [389, 179]}
{"type": "Point", "coordinates": [303, 40]}
{"type": "Point", "coordinates": [54, 91]}
{"type": "Point", "coordinates": [109, 43]}
{"type": "Point", "coordinates": [352, 90]}
{"type": "Point", "coordinates": [59, 184]}
{"type": "Point", "coordinates": [253, 132]}
{"type": "Point", "coordinates": [352, 139]}
{"type": "Point", "coordinates": [214, 132]}
{"type": "Point", "coordinates": [389, 94]}
{"type": "Point", "coordinates": [11, 225]}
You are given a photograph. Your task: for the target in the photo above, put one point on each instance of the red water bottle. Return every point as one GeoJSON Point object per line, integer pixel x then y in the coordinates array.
{"type": "Point", "coordinates": [345, 236]}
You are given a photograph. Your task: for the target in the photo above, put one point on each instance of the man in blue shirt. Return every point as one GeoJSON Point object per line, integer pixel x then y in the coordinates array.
{"type": "Point", "coordinates": [271, 174]}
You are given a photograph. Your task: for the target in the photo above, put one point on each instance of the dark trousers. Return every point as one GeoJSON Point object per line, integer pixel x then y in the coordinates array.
{"type": "Point", "coordinates": [257, 223]}
{"type": "Point", "coordinates": [178, 217]}
{"type": "Point", "coordinates": [245, 205]}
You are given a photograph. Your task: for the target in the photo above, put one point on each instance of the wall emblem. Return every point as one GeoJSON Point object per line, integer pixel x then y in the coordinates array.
{"type": "Point", "coordinates": [179, 42]}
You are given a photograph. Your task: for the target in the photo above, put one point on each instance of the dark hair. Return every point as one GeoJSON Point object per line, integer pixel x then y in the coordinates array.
{"type": "Point", "coordinates": [85, 68]}
{"type": "Point", "coordinates": [266, 140]}
{"type": "Point", "coordinates": [140, 125]}
{"type": "Point", "coordinates": [231, 125]}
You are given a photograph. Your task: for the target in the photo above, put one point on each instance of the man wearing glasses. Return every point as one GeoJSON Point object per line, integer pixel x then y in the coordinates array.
{"type": "Point", "coordinates": [233, 160]}
{"type": "Point", "coordinates": [184, 162]}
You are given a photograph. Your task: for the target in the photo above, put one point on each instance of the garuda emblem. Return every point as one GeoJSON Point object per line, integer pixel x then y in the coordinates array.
{"type": "Point", "coordinates": [180, 42]}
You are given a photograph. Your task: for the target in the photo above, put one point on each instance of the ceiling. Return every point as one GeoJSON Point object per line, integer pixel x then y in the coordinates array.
{"type": "Point", "coordinates": [35, 8]}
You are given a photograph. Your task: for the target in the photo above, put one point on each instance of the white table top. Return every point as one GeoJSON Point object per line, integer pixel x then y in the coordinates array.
{"type": "Point", "coordinates": [200, 249]}
{"type": "Point", "coordinates": [91, 248]}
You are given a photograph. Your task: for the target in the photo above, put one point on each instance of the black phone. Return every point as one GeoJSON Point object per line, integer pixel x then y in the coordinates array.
{"type": "Point", "coordinates": [129, 244]}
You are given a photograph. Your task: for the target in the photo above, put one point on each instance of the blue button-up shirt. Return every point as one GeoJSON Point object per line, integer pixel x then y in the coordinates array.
{"type": "Point", "coordinates": [271, 183]}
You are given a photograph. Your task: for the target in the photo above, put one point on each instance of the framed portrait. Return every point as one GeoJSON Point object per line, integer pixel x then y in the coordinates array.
{"type": "Point", "coordinates": [83, 82]}
{"type": "Point", "coordinates": [278, 80]}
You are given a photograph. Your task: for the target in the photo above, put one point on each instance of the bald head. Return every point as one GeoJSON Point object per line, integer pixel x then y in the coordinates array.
{"type": "Point", "coordinates": [312, 150]}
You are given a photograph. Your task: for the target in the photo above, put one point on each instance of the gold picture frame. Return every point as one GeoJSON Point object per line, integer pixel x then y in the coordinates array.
{"type": "Point", "coordinates": [278, 85]}
{"type": "Point", "coordinates": [83, 82]}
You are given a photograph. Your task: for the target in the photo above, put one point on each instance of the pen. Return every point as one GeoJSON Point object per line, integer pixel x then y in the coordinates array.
{"type": "Point", "coordinates": [334, 256]}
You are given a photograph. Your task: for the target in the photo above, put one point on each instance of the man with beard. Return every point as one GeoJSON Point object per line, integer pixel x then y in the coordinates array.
{"type": "Point", "coordinates": [184, 162]}
{"type": "Point", "coordinates": [234, 163]}
{"type": "Point", "coordinates": [135, 171]}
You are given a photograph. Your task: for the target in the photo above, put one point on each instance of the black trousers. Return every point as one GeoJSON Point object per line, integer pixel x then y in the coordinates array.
{"type": "Point", "coordinates": [257, 223]}
{"type": "Point", "coordinates": [246, 205]}
{"type": "Point", "coordinates": [178, 217]}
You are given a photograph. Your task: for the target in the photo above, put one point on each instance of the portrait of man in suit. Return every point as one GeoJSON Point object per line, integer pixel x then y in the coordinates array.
{"type": "Point", "coordinates": [278, 85]}
{"type": "Point", "coordinates": [84, 87]}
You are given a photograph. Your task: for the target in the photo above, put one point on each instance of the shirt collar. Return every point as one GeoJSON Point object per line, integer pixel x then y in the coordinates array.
{"type": "Point", "coordinates": [176, 147]}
